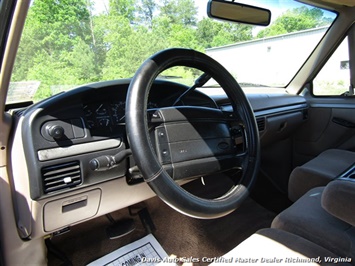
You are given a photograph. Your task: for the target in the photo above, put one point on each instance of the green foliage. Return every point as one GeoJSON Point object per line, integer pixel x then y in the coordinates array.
{"type": "Point", "coordinates": [66, 44]}
{"type": "Point", "coordinates": [55, 24]}
{"type": "Point", "coordinates": [180, 11]}
{"type": "Point", "coordinates": [123, 8]}
{"type": "Point", "coordinates": [181, 74]}
{"type": "Point", "coordinates": [296, 19]}
{"type": "Point", "coordinates": [330, 87]}
{"type": "Point", "coordinates": [213, 33]}
{"type": "Point", "coordinates": [145, 10]}
{"type": "Point", "coordinates": [181, 36]}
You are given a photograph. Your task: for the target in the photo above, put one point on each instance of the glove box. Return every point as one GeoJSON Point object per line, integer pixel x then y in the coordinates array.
{"type": "Point", "coordinates": [70, 210]}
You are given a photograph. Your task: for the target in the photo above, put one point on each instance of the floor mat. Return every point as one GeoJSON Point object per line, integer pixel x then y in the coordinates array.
{"type": "Point", "coordinates": [178, 234]}
{"type": "Point", "coordinates": [145, 251]}
{"type": "Point", "coordinates": [188, 237]}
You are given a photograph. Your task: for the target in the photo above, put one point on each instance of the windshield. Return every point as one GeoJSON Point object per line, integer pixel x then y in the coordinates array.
{"type": "Point", "coordinates": [69, 43]}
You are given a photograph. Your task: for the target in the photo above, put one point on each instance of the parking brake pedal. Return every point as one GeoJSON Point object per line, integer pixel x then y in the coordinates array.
{"type": "Point", "coordinates": [119, 228]}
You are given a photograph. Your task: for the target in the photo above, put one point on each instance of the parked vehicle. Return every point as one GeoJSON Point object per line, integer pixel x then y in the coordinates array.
{"type": "Point", "coordinates": [198, 121]}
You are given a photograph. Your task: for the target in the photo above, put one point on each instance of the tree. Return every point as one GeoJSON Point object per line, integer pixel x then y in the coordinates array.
{"type": "Point", "coordinates": [26, 51]}
{"type": "Point", "coordinates": [65, 43]}
{"type": "Point", "coordinates": [180, 11]}
{"type": "Point", "coordinates": [124, 8]}
{"type": "Point", "coordinates": [211, 33]}
{"type": "Point", "coordinates": [65, 20]}
{"type": "Point", "coordinates": [47, 52]}
{"type": "Point", "coordinates": [118, 30]}
{"type": "Point", "coordinates": [96, 43]}
{"type": "Point", "coordinates": [184, 37]}
{"type": "Point", "coordinates": [146, 9]}
{"type": "Point", "coordinates": [296, 19]}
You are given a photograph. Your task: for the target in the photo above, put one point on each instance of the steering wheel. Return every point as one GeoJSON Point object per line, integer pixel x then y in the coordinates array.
{"type": "Point", "coordinates": [179, 143]}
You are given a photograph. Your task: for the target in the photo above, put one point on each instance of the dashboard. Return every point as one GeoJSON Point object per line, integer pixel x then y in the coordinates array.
{"type": "Point", "coordinates": [55, 140]}
{"type": "Point", "coordinates": [65, 132]}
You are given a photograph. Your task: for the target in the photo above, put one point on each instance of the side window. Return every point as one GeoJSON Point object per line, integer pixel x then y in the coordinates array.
{"type": "Point", "coordinates": [334, 78]}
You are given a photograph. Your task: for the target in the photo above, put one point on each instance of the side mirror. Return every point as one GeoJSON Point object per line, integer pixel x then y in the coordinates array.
{"type": "Point", "coordinates": [236, 12]}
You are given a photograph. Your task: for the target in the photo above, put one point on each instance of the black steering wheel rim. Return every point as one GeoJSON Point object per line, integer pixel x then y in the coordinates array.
{"type": "Point", "coordinates": [145, 156]}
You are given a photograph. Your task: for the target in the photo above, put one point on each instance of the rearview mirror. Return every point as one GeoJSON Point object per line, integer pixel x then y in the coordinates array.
{"type": "Point", "coordinates": [236, 12]}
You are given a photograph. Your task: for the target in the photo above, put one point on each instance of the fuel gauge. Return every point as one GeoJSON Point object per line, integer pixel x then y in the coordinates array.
{"type": "Point", "coordinates": [103, 122]}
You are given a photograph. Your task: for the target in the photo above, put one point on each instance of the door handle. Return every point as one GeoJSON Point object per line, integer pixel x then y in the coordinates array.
{"type": "Point", "coordinates": [343, 122]}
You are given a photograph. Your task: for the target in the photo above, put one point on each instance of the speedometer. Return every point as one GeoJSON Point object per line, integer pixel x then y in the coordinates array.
{"type": "Point", "coordinates": [118, 112]}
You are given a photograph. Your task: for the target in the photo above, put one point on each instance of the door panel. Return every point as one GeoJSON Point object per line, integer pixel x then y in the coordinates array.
{"type": "Point", "coordinates": [328, 126]}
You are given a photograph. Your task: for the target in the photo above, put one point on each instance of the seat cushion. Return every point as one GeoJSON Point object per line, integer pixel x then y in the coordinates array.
{"type": "Point", "coordinates": [274, 246]}
{"type": "Point", "coordinates": [319, 171]}
{"type": "Point", "coordinates": [338, 199]}
{"type": "Point", "coordinates": [307, 218]}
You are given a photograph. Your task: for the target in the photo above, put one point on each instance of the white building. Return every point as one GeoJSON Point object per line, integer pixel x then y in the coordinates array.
{"type": "Point", "coordinates": [267, 61]}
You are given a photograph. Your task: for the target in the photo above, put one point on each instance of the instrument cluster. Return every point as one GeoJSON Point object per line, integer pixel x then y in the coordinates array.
{"type": "Point", "coordinates": [101, 115]}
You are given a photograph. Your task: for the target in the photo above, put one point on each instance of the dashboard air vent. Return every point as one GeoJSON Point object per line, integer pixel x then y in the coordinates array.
{"type": "Point", "coordinates": [61, 176]}
{"type": "Point", "coordinates": [261, 123]}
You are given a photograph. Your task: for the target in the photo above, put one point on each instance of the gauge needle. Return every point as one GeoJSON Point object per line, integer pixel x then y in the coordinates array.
{"type": "Point", "coordinates": [98, 109]}
{"type": "Point", "coordinates": [101, 110]}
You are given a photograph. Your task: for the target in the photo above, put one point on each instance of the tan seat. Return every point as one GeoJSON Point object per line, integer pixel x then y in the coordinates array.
{"type": "Point", "coordinates": [319, 171]}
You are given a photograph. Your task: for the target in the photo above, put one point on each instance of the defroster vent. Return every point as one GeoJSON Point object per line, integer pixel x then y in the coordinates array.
{"type": "Point", "coordinates": [61, 176]}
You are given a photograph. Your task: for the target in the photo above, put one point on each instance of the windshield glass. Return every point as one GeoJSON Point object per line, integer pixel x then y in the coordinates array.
{"type": "Point", "coordinates": [69, 43]}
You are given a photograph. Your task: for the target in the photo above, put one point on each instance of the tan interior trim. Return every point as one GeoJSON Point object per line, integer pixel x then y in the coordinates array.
{"type": "Point", "coordinates": [6, 70]}
{"type": "Point", "coordinates": [350, 3]}
{"type": "Point", "coordinates": [14, 250]}
{"type": "Point", "coordinates": [61, 152]}
{"type": "Point", "coordinates": [330, 4]}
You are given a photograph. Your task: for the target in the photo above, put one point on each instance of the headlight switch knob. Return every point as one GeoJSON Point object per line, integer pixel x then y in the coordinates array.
{"type": "Point", "coordinates": [55, 131]}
